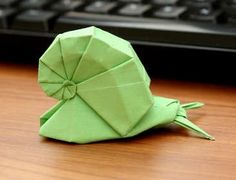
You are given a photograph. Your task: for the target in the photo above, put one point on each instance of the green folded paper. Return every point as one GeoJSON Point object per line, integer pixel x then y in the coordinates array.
{"type": "Point", "coordinates": [103, 90]}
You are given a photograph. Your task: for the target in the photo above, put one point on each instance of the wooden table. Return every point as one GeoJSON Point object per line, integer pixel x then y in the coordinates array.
{"type": "Point", "coordinates": [168, 153]}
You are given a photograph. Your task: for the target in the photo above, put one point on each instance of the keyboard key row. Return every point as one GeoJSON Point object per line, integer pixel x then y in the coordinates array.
{"type": "Point", "coordinates": [38, 4]}
{"type": "Point", "coordinates": [35, 17]}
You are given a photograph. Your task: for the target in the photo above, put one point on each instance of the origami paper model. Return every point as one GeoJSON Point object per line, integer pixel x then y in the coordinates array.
{"type": "Point", "coordinates": [103, 90]}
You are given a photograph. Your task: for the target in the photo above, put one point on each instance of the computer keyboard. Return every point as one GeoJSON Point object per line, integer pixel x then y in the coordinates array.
{"type": "Point", "coordinates": [193, 23]}
{"type": "Point", "coordinates": [29, 26]}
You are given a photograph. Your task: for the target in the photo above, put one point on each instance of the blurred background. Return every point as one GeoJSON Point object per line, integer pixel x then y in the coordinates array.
{"type": "Point", "coordinates": [175, 39]}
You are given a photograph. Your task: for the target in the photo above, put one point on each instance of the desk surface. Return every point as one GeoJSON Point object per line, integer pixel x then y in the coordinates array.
{"type": "Point", "coordinates": [168, 153]}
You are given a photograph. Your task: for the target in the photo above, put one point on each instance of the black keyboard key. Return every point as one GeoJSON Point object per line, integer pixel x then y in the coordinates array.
{"type": "Point", "coordinates": [169, 12]}
{"type": "Point", "coordinates": [204, 14]}
{"type": "Point", "coordinates": [34, 4]}
{"type": "Point", "coordinates": [198, 3]}
{"type": "Point", "coordinates": [6, 17]}
{"type": "Point", "coordinates": [74, 20]}
{"type": "Point", "coordinates": [134, 9]}
{"type": "Point", "coordinates": [164, 2]}
{"type": "Point", "coordinates": [8, 3]}
{"type": "Point", "coordinates": [67, 5]}
{"type": "Point", "coordinates": [231, 20]}
{"type": "Point", "coordinates": [130, 1]}
{"type": "Point", "coordinates": [229, 8]}
{"type": "Point", "coordinates": [103, 7]}
{"type": "Point", "coordinates": [34, 20]}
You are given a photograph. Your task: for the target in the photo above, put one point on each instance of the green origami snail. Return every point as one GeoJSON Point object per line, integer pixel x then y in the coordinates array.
{"type": "Point", "coordinates": [103, 90]}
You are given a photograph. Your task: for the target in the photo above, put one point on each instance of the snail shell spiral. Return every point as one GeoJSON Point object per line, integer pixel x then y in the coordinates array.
{"type": "Point", "coordinates": [101, 69]}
